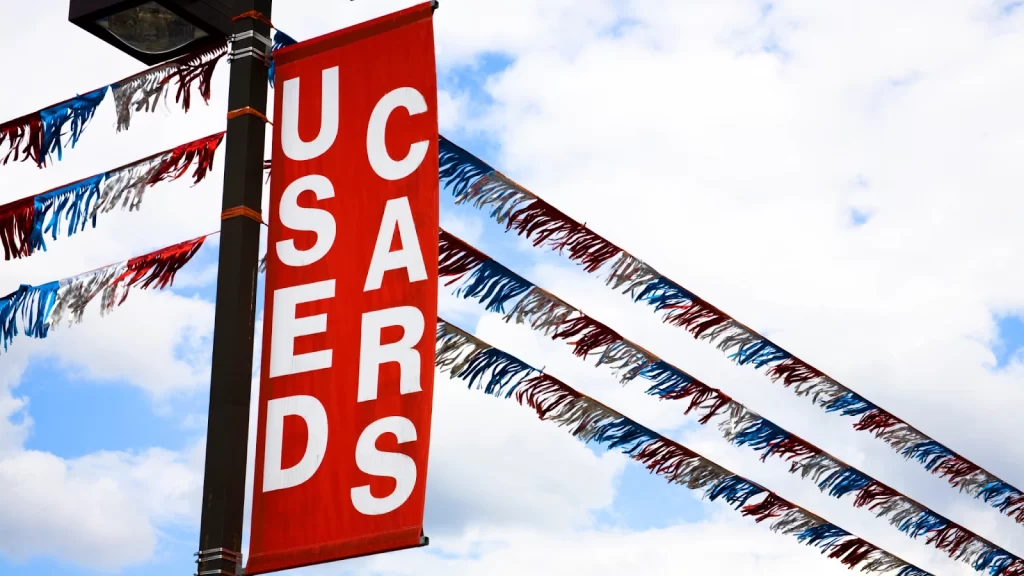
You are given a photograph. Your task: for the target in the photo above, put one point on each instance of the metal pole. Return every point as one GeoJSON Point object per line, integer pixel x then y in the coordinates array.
{"type": "Point", "coordinates": [220, 532]}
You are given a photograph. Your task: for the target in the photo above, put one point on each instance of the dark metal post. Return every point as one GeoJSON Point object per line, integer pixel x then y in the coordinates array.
{"type": "Point", "coordinates": [220, 532]}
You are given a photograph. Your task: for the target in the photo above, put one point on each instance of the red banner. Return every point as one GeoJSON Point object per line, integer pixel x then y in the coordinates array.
{"type": "Point", "coordinates": [351, 297]}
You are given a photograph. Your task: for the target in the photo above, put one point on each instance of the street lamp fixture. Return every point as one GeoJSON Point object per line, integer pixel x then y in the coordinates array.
{"type": "Point", "coordinates": [154, 31]}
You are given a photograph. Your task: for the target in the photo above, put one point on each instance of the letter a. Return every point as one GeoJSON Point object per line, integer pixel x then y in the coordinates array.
{"type": "Point", "coordinates": [396, 214]}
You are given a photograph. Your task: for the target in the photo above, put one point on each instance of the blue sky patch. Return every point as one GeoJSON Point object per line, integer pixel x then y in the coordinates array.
{"type": "Point", "coordinates": [1009, 340]}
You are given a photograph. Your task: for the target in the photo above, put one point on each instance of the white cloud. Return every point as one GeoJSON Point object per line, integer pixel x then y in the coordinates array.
{"type": "Point", "coordinates": [518, 474]}
{"type": "Point", "coordinates": [157, 341]}
{"type": "Point", "coordinates": [714, 547]}
{"type": "Point", "coordinates": [100, 511]}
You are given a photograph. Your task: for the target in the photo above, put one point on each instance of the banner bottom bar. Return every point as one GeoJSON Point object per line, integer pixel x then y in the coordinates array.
{"type": "Point", "coordinates": [370, 546]}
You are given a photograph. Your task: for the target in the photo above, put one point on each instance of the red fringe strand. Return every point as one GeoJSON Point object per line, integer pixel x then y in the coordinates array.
{"type": "Point", "coordinates": [852, 552]}
{"type": "Point", "coordinates": [877, 421]}
{"type": "Point", "coordinates": [177, 164]}
{"type": "Point", "coordinates": [793, 371]}
{"type": "Point", "coordinates": [24, 136]}
{"type": "Point", "coordinates": [950, 539]}
{"type": "Point", "coordinates": [456, 258]}
{"type": "Point", "coordinates": [16, 220]}
{"type": "Point", "coordinates": [157, 269]}
{"type": "Point", "coordinates": [771, 507]}
{"type": "Point", "coordinates": [873, 495]}
{"type": "Point", "coordinates": [544, 394]}
{"type": "Point", "coordinates": [592, 335]}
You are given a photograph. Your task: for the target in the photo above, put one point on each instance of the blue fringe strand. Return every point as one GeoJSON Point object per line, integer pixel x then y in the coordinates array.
{"type": "Point", "coordinates": [78, 111]}
{"type": "Point", "coordinates": [668, 380]}
{"type": "Point", "coordinates": [930, 453]}
{"type": "Point", "coordinates": [760, 354]}
{"type": "Point", "coordinates": [823, 536]}
{"type": "Point", "coordinates": [625, 434]}
{"type": "Point", "coordinates": [850, 404]}
{"type": "Point", "coordinates": [36, 306]}
{"type": "Point", "coordinates": [994, 560]}
{"type": "Point", "coordinates": [996, 490]}
{"type": "Point", "coordinates": [494, 285]}
{"type": "Point", "coordinates": [506, 369]}
{"type": "Point", "coordinates": [27, 310]}
{"type": "Point", "coordinates": [459, 169]}
{"type": "Point", "coordinates": [8, 316]}
{"type": "Point", "coordinates": [909, 570]}
{"type": "Point", "coordinates": [735, 490]}
{"type": "Point", "coordinates": [925, 522]}
{"type": "Point", "coordinates": [761, 435]}
{"type": "Point", "coordinates": [280, 41]}
{"type": "Point", "coordinates": [843, 481]}
{"type": "Point", "coordinates": [663, 293]}
{"type": "Point", "coordinates": [74, 202]}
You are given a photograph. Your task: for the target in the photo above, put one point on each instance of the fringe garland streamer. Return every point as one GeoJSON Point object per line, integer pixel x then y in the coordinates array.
{"type": "Point", "coordinates": [41, 135]}
{"type": "Point", "coordinates": [499, 374]}
{"type": "Point", "coordinates": [25, 224]}
{"type": "Point", "coordinates": [473, 181]}
{"type": "Point", "coordinates": [35, 310]}
{"type": "Point", "coordinates": [554, 317]}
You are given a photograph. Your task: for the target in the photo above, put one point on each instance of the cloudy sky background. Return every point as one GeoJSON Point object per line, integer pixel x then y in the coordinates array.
{"type": "Point", "coordinates": [843, 176]}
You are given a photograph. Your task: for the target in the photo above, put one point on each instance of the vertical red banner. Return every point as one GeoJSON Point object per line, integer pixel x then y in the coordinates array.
{"type": "Point", "coordinates": [351, 297]}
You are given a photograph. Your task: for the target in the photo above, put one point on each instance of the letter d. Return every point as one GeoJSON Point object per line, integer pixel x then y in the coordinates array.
{"type": "Point", "coordinates": [312, 412]}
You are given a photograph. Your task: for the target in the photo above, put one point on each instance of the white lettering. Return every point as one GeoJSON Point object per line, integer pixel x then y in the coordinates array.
{"type": "Point", "coordinates": [293, 145]}
{"type": "Point", "coordinates": [382, 163]}
{"type": "Point", "coordinates": [321, 222]}
{"type": "Point", "coordinates": [396, 214]}
{"type": "Point", "coordinates": [286, 328]}
{"type": "Point", "coordinates": [372, 354]}
{"type": "Point", "coordinates": [313, 414]}
{"type": "Point", "coordinates": [390, 464]}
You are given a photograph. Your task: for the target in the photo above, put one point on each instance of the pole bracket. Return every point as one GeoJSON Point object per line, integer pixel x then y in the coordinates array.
{"type": "Point", "coordinates": [219, 554]}
{"type": "Point", "coordinates": [247, 52]}
{"type": "Point", "coordinates": [261, 53]}
{"type": "Point", "coordinates": [251, 34]}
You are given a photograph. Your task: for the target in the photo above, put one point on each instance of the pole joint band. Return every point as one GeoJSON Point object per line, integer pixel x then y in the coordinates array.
{"type": "Point", "coordinates": [248, 110]}
{"type": "Point", "coordinates": [218, 554]}
{"type": "Point", "coordinates": [255, 15]}
{"type": "Point", "coordinates": [243, 211]}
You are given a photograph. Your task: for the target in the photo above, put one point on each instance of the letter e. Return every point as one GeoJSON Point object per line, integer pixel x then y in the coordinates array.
{"type": "Point", "coordinates": [285, 328]}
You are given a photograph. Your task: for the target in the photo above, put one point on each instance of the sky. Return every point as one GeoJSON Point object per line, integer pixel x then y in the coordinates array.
{"type": "Point", "coordinates": [844, 177]}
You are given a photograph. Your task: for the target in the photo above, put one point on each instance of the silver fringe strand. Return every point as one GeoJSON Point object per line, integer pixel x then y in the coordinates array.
{"type": "Point", "coordinates": [76, 293]}
{"type": "Point", "coordinates": [630, 272]}
{"type": "Point", "coordinates": [126, 186]}
{"type": "Point", "coordinates": [455, 348]}
{"type": "Point", "coordinates": [499, 194]}
{"type": "Point", "coordinates": [541, 310]}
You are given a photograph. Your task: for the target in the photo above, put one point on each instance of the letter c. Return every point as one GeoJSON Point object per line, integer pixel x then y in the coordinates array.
{"type": "Point", "coordinates": [385, 166]}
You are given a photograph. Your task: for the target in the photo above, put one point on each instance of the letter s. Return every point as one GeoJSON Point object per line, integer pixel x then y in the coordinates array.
{"type": "Point", "coordinates": [391, 464]}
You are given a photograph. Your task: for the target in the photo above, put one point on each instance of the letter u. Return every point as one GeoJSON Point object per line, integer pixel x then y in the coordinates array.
{"type": "Point", "coordinates": [294, 146]}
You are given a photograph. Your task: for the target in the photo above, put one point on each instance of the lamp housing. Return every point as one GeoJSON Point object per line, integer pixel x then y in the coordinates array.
{"type": "Point", "coordinates": [154, 31]}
